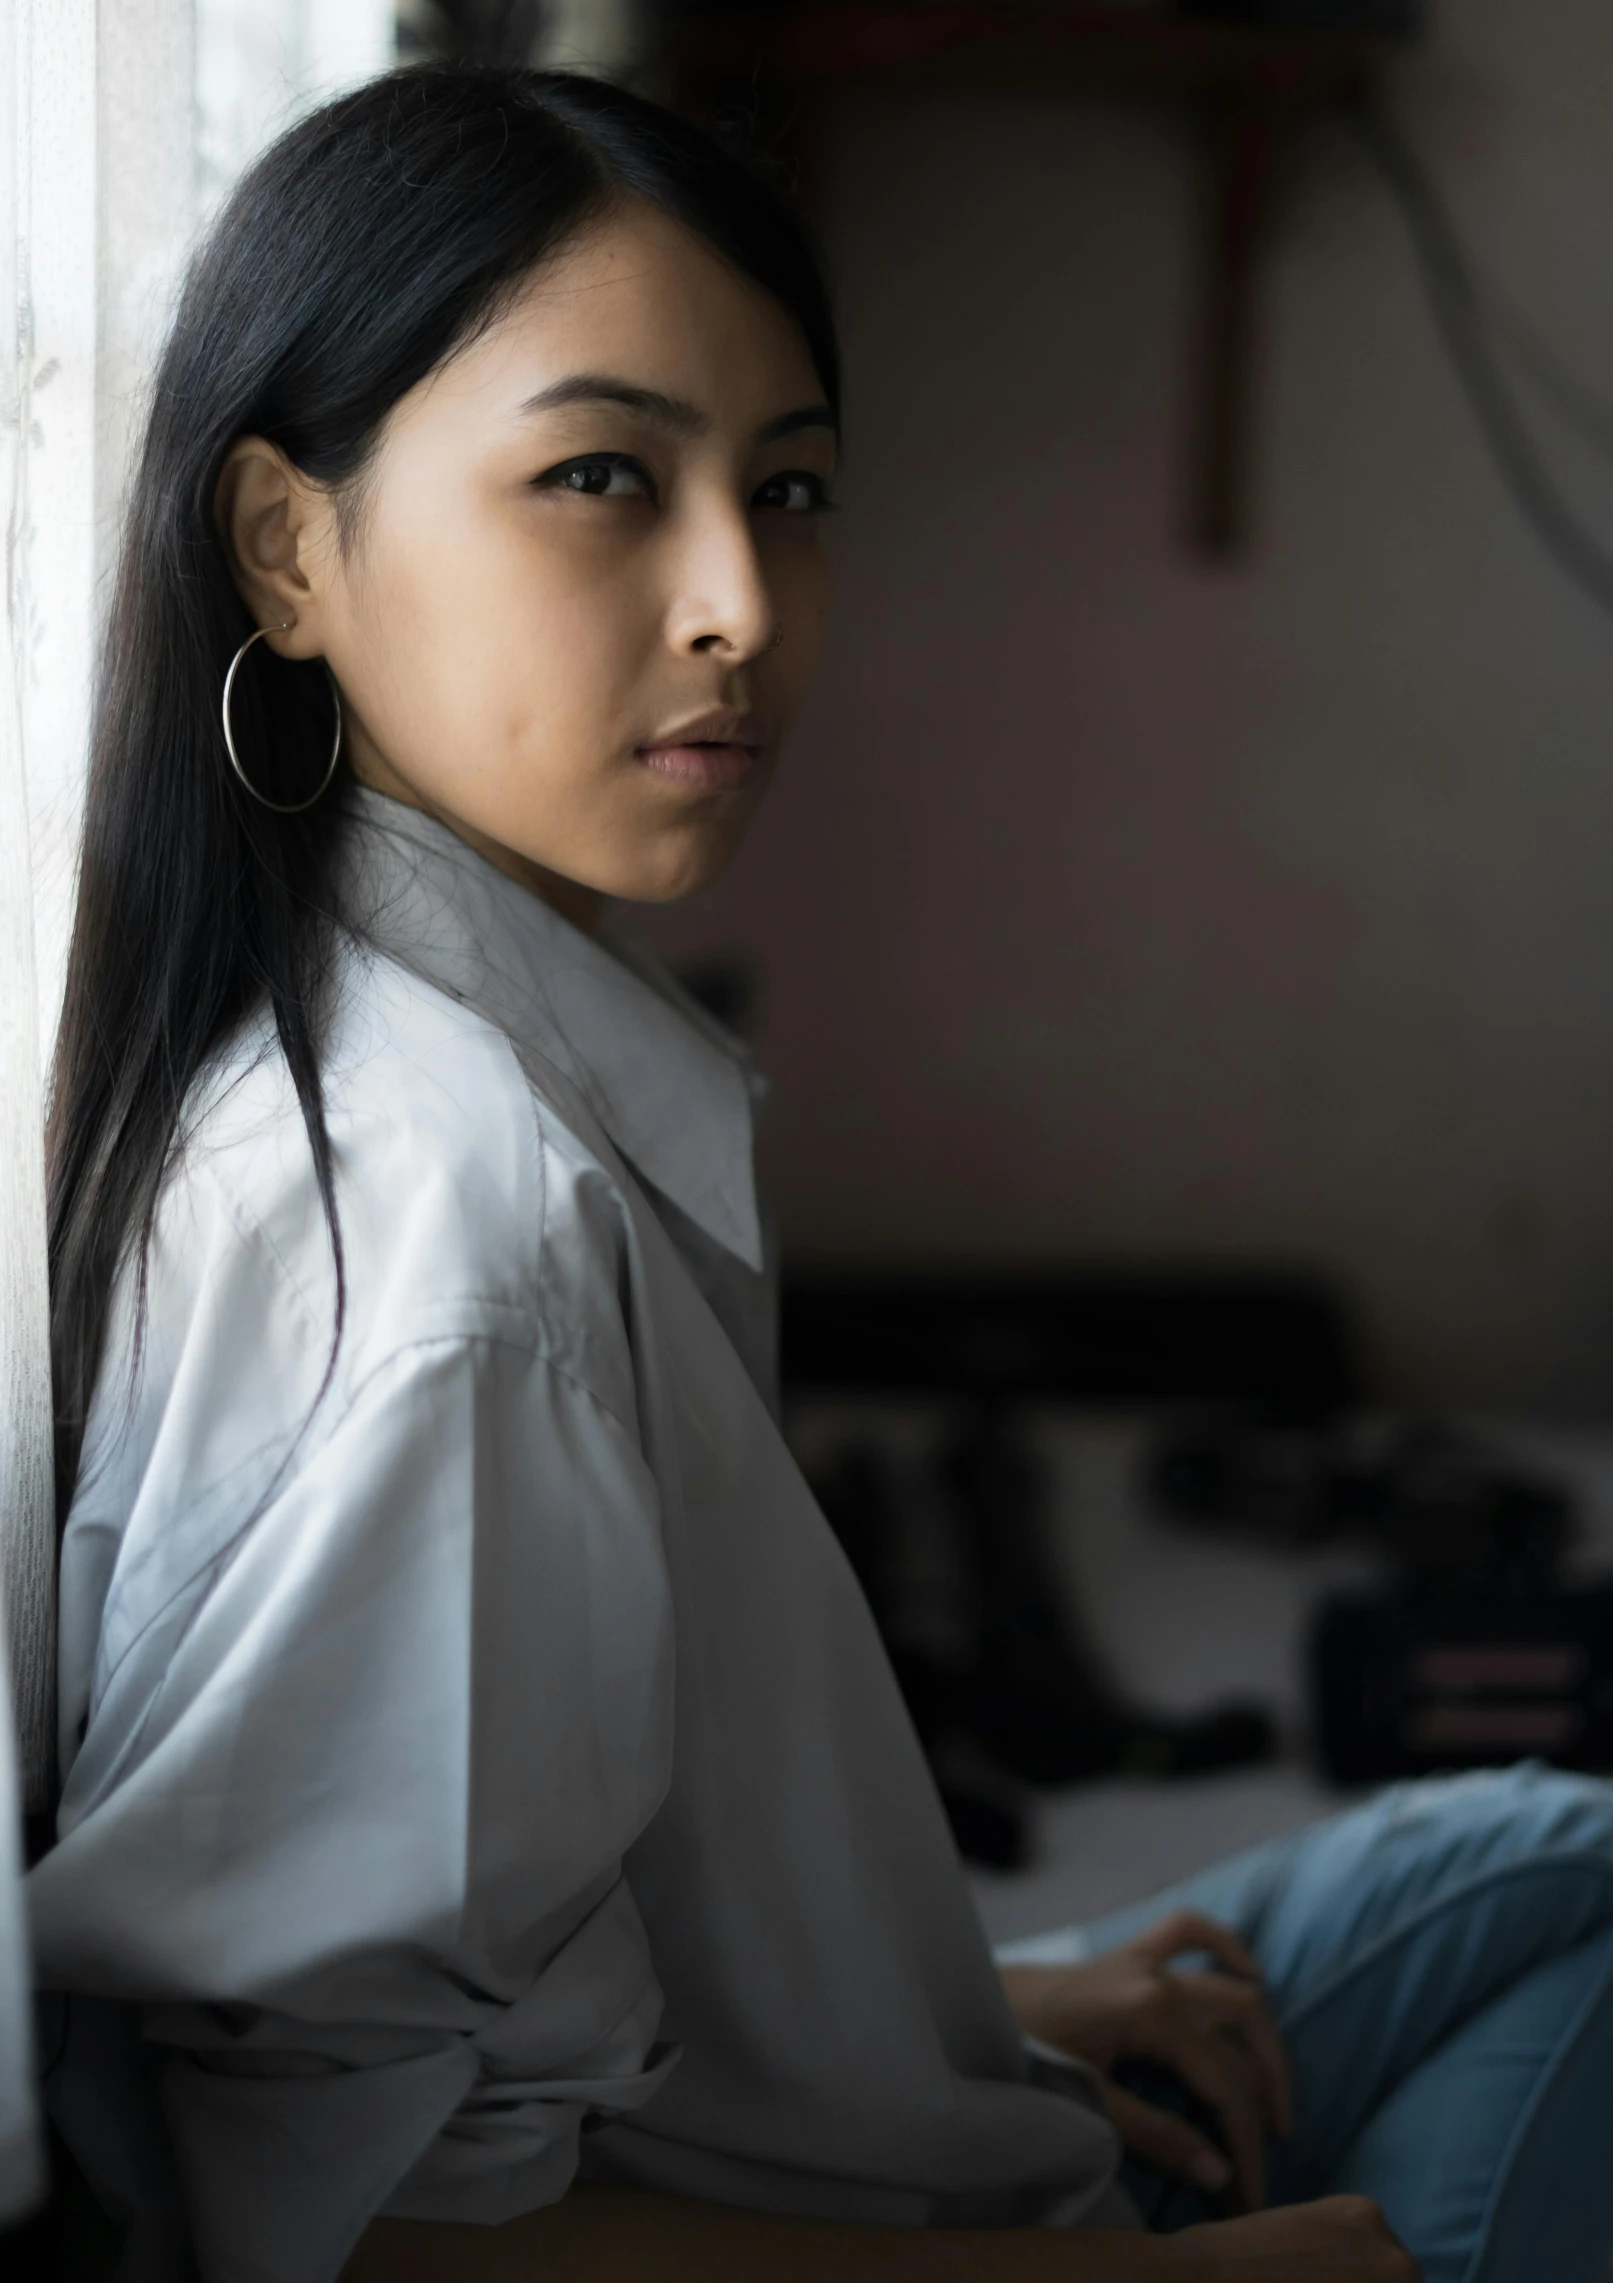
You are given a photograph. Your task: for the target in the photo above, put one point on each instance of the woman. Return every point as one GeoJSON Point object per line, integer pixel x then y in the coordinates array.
{"type": "Point", "coordinates": [491, 1843]}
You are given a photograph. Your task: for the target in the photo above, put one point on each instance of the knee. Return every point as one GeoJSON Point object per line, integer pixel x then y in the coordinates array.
{"type": "Point", "coordinates": [1541, 1810]}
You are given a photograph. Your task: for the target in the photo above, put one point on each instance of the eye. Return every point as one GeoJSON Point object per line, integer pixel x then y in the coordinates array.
{"type": "Point", "coordinates": [602, 475]}
{"type": "Point", "coordinates": [797, 491]}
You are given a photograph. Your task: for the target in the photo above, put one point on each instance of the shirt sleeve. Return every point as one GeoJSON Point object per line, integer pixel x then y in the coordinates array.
{"type": "Point", "coordinates": [349, 1818]}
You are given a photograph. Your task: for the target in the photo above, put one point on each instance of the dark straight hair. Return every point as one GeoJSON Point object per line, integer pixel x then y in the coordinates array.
{"type": "Point", "coordinates": [367, 244]}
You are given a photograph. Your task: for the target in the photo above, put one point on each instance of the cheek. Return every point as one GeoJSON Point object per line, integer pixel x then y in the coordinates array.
{"type": "Point", "coordinates": [500, 647]}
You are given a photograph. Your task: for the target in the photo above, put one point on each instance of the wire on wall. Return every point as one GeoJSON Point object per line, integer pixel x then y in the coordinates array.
{"type": "Point", "coordinates": [1467, 326]}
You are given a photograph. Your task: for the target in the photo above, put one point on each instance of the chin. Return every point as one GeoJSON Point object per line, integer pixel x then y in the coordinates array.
{"type": "Point", "coordinates": [697, 862]}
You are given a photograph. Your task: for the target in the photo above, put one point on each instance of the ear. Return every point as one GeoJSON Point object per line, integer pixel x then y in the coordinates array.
{"type": "Point", "coordinates": [278, 533]}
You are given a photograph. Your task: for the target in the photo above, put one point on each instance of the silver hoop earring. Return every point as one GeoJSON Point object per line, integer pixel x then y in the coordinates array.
{"type": "Point", "coordinates": [777, 639]}
{"type": "Point", "coordinates": [280, 808]}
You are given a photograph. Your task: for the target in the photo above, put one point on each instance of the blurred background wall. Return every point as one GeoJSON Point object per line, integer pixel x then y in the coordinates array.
{"type": "Point", "coordinates": [1115, 906]}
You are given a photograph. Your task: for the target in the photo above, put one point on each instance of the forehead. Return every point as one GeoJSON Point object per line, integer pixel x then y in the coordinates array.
{"type": "Point", "coordinates": [639, 296]}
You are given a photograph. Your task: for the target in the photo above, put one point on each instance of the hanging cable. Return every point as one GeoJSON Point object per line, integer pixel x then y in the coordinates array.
{"type": "Point", "coordinates": [1574, 400]}
{"type": "Point", "coordinates": [1459, 313]}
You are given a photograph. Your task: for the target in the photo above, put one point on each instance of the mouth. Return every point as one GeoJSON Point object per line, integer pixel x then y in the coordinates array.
{"type": "Point", "coordinates": [714, 753]}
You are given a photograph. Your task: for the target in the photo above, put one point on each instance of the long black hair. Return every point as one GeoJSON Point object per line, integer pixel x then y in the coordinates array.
{"type": "Point", "coordinates": [365, 245]}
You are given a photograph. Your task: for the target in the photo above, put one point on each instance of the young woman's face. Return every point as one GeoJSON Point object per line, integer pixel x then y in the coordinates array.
{"type": "Point", "coordinates": [586, 592]}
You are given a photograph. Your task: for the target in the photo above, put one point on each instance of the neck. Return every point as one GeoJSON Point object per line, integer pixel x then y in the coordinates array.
{"type": "Point", "coordinates": [584, 907]}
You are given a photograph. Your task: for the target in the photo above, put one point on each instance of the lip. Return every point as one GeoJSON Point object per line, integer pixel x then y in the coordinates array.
{"type": "Point", "coordinates": [711, 752]}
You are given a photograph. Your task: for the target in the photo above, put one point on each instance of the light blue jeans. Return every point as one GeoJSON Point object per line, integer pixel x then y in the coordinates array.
{"type": "Point", "coordinates": [1441, 1964]}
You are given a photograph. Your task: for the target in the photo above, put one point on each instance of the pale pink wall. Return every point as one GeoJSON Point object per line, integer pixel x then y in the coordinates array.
{"type": "Point", "coordinates": [1115, 907]}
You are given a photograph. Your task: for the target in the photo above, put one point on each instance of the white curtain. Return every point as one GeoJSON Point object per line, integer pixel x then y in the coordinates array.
{"type": "Point", "coordinates": [120, 120]}
{"type": "Point", "coordinates": [260, 62]}
{"type": "Point", "coordinates": [97, 212]}
{"type": "Point", "coordinates": [47, 347]}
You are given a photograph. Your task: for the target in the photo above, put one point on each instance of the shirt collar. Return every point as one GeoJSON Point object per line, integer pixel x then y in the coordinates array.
{"type": "Point", "coordinates": [671, 1087]}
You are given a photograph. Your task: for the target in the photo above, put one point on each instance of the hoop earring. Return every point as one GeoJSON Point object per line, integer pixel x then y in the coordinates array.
{"type": "Point", "coordinates": [280, 808]}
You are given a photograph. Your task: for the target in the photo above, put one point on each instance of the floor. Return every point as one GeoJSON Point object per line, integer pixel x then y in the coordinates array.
{"type": "Point", "coordinates": [1185, 1621]}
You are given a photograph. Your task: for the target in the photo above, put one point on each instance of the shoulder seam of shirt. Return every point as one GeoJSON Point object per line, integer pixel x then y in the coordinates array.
{"type": "Point", "coordinates": [536, 1346]}
{"type": "Point", "coordinates": [221, 1554]}
{"type": "Point", "coordinates": [250, 1226]}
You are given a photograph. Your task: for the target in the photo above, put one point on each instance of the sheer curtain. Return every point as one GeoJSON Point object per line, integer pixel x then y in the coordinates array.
{"type": "Point", "coordinates": [120, 120]}
{"type": "Point", "coordinates": [47, 343]}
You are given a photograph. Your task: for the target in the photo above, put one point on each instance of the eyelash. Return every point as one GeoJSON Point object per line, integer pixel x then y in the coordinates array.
{"type": "Point", "coordinates": [556, 479]}
{"type": "Point", "coordinates": [818, 501]}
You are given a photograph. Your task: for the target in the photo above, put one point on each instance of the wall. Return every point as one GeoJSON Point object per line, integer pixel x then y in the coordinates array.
{"type": "Point", "coordinates": [1112, 906]}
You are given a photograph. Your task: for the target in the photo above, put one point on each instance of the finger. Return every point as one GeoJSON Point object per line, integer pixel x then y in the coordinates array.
{"type": "Point", "coordinates": [1223, 2077]}
{"type": "Point", "coordinates": [1238, 2011]}
{"type": "Point", "coordinates": [1167, 2142]}
{"type": "Point", "coordinates": [1191, 1930]}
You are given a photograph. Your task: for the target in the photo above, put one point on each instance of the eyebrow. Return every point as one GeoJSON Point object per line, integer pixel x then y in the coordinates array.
{"type": "Point", "coordinates": [670, 412]}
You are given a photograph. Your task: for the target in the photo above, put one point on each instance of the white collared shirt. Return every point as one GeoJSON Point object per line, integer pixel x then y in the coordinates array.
{"type": "Point", "coordinates": [481, 1761]}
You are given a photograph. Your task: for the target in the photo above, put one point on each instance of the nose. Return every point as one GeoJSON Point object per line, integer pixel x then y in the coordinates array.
{"type": "Point", "coordinates": [721, 605]}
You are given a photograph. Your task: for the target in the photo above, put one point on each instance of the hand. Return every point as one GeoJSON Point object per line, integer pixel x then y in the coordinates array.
{"type": "Point", "coordinates": [1213, 2030]}
{"type": "Point", "coordinates": [1343, 2239]}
